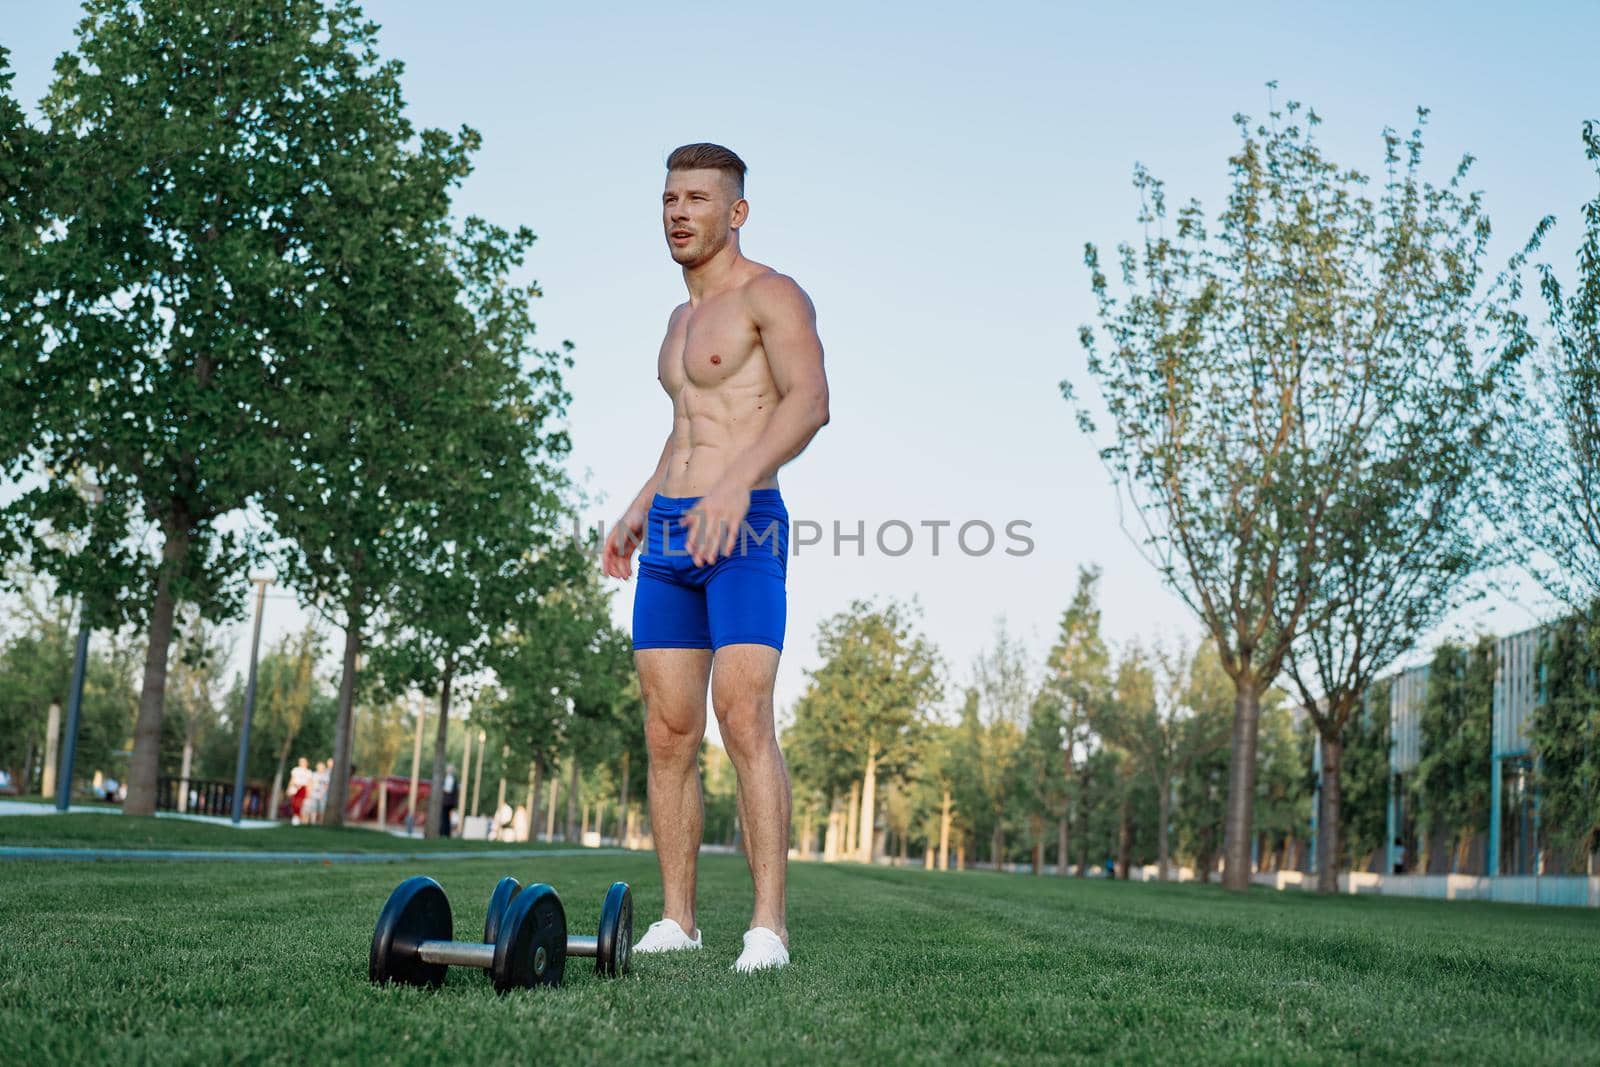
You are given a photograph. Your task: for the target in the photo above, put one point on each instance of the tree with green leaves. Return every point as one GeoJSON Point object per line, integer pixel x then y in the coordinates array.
{"type": "Point", "coordinates": [1005, 682]}
{"type": "Point", "coordinates": [1252, 376]}
{"type": "Point", "coordinates": [1552, 496]}
{"type": "Point", "coordinates": [212, 169]}
{"type": "Point", "coordinates": [1154, 722]}
{"type": "Point", "coordinates": [864, 706]}
{"type": "Point", "coordinates": [1076, 681]}
{"type": "Point", "coordinates": [1404, 532]}
{"type": "Point", "coordinates": [194, 687]}
{"type": "Point", "coordinates": [1363, 812]}
{"type": "Point", "coordinates": [371, 441]}
{"type": "Point", "coordinates": [286, 688]}
{"type": "Point", "coordinates": [1566, 736]}
{"type": "Point", "coordinates": [1450, 782]}
{"type": "Point", "coordinates": [486, 550]}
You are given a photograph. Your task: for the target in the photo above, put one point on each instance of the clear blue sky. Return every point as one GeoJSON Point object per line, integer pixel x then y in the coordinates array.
{"type": "Point", "coordinates": [930, 173]}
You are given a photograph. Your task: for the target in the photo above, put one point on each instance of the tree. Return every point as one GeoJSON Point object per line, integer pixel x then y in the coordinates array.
{"type": "Point", "coordinates": [210, 166]}
{"type": "Point", "coordinates": [1246, 377]}
{"type": "Point", "coordinates": [1076, 680]}
{"type": "Point", "coordinates": [1449, 782]}
{"type": "Point", "coordinates": [1153, 721]}
{"type": "Point", "coordinates": [1363, 813]}
{"type": "Point", "coordinates": [286, 687]}
{"type": "Point", "coordinates": [370, 449]}
{"type": "Point", "coordinates": [1566, 737]}
{"type": "Point", "coordinates": [1553, 446]}
{"type": "Point", "coordinates": [1006, 688]}
{"type": "Point", "coordinates": [1402, 534]}
{"type": "Point", "coordinates": [193, 687]}
{"type": "Point", "coordinates": [378, 747]}
{"type": "Point", "coordinates": [480, 558]}
{"type": "Point", "coordinates": [864, 705]}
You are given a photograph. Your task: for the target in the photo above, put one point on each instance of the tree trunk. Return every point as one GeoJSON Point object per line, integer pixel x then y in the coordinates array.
{"type": "Point", "coordinates": [1241, 783]}
{"type": "Point", "coordinates": [532, 802]}
{"type": "Point", "coordinates": [1163, 816]}
{"type": "Point", "coordinates": [997, 843]}
{"type": "Point", "coordinates": [550, 811]}
{"type": "Point", "coordinates": [572, 801]}
{"type": "Point", "coordinates": [477, 779]}
{"type": "Point", "coordinates": [905, 846]}
{"type": "Point", "coordinates": [277, 777]}
{"type": "Point", "coordinates": [622, 801]}
{"type": "Point", "coordinates": [866, 837]}
{"type": "Point", "coordinates": [344, 725]}
{"type": "Point", "coordinates": [442, 735]}
{"type": "Point", "coordinates": [183, 774]}
{"type": "Point", "coordinates": [464, 780]}
{"type": "Point", "coordinates": [961, 854]}
{"type": "Point", "coordinates": [144, 765]}
{"type": "Point", "coordinates": [1036, 825]}
{"type": "Point", "coordinates": [416, 770]}
{"type": "Point", "coordinates": [852, 818]}
{"type": "Point", "coordinates": [1063, 861]}
{"type": "Point", "coordinates": [52, 739]}
{"type": "Point", "coordinates": [831, 836]}
{"type": "Point", "coordinates": [1083, 844]}
{"type": "Point", "coordinates": [944, 832]}
{"type": "Point", "coordinates": [1328, 850]}
{"type": "Point", "coordinates": [1124, 836]}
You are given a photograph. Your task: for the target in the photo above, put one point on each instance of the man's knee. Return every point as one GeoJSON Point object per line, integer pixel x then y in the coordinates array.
{"type": "Point", "coordinates": [672, 739]}
{"type": "Point", "coordinates": [746, 725]}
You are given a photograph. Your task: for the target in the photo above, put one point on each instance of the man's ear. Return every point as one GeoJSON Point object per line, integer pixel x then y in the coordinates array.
{"type": "Point", "coordinates": [741, 212]}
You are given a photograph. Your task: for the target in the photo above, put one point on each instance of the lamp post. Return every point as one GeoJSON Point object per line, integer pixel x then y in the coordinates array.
{"type": "Point", "coordinates": [80, 662]}
{"type": "Point", "coordinates": [249, 701]}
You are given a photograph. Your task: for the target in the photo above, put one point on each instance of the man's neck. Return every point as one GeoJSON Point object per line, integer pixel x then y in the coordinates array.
{"type": "Point", "coordinates": [714, 275]}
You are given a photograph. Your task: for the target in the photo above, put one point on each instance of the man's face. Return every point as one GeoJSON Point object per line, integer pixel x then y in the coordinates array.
{"type": "Point", "coordinates": [700, 210]}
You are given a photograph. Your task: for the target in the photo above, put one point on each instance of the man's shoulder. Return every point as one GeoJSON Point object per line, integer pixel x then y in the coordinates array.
{"type": "Point", "coordinates": [772, 291]}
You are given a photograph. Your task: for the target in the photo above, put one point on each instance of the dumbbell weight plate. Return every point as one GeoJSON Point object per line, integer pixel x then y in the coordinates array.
{"type": "Point", "coordinates": [614, 943]}
{"type": "Point", "coordinates": [531, 947]}
{"type": "Point", "coordinates": [416, 911]}
{"type": "Point", "coordinates": [504, 891]}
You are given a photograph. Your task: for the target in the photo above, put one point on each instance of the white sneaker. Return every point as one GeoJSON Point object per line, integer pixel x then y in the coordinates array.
{"type": "Point", "coordinates": [762, 949]}
{"type": "Point", "coordinates": [666, 935]}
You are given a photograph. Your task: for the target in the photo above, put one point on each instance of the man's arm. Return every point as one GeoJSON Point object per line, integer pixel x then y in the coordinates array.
{"type": "Point", "coordinates": [616, 559]}
{"type": "Point", "coordinates": [787, 323]}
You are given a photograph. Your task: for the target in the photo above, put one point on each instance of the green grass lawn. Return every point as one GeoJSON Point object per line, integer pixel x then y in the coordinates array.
{"type": "Point", "coordinates": [134, 962]}
{"type": "Point", "coordinates": [92, 830]}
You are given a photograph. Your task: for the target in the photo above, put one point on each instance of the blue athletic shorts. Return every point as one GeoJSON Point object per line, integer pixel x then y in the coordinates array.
{"type": "Point", "coordinates": [739, 599]}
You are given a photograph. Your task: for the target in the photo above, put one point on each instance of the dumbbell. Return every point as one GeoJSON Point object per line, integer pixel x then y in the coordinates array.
{"type": "Point", "coordinates": [612, 947]}
{"type": "Point", "coordinates": [411, 944]}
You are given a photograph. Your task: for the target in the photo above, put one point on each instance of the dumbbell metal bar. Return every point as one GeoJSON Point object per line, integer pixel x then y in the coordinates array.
{"type": "Point", "coordinates": [457, 953]}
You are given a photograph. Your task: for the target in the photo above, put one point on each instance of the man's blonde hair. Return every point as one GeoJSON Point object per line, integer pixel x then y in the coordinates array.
{"type": "Point", "coordinates": [706, 156]}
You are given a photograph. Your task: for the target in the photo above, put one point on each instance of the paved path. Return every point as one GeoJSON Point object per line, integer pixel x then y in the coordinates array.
{"type": "Point", "coordinates": [29, 807]}
{"type": "Point", "coordinates": [9, 852]}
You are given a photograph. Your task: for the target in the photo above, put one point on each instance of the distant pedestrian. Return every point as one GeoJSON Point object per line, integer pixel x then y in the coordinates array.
{"type": "Point", "coordinates": [318, 801]}
{"type": "Point", "coordinates": [299, 788]}
{"type": "Point", "coordinates": [451, 792]}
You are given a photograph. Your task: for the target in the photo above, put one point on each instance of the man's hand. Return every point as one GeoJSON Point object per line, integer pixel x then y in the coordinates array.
{"type": "Point", "coordinates": [715, 522]}
{"type": "Point", "coordinates": [628, 534]}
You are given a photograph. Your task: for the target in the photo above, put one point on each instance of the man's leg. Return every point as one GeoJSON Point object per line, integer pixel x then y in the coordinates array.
{"type": "Point", "coordinates": [741, 692]}
{"type": "Point", "coordinates": [673, 682]}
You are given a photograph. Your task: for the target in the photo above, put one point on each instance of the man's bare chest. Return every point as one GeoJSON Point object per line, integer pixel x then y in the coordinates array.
{"type": "Point", "coordinates": [717, 344]}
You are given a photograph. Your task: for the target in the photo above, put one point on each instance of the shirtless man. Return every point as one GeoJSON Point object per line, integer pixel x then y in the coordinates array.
{"type": "Point", "coordinates": [743, 366]}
